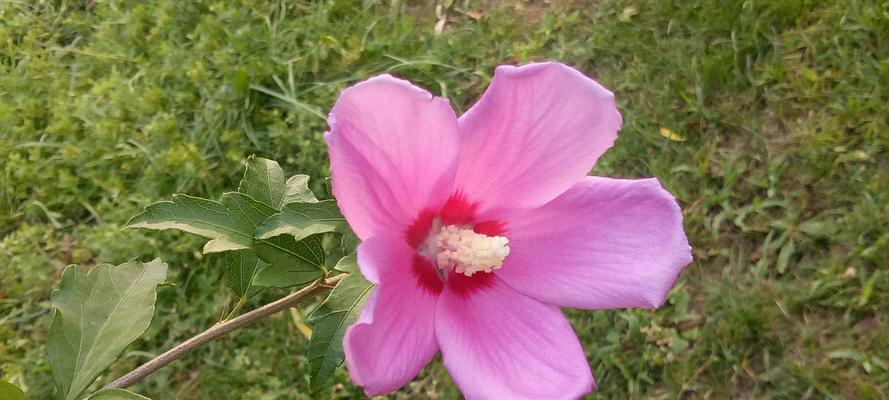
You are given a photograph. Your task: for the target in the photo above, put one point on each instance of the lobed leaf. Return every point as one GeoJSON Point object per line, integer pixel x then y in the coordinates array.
{"type": "Point", "coordinates": [291, 263]}
{"type": "Point", "coordinates": [246, 213]}
{"type": "Point", "coordinates": [202, 217]}
{"type": "Point", "coordinates": [241, 268]}
{"type": "Point", "coordinates": [232, 223]}
{"type": "Point", "coordinates": [265, 207]}
{"type": "Point", "coordinates": [264, 181]}
{"type": "Point", "coordinates": [348, 264]}
{"type": "Point", "coordinates": [297, 190]}
{"type": "Point", "coordinates": [302, 220]}
{"type": "Point", "coordinates": [229, 224]}
{"type": "Point", "coordinates": [331, 318]}
{"type": "Point", "coordinates": [98, 313]}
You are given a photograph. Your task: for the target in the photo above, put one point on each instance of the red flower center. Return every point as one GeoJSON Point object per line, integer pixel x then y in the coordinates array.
{"type": "Point", "coordinates": [452, 246]}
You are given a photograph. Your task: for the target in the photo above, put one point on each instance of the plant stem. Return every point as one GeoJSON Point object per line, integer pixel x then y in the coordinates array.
{"type": "Point", "coordinates": [221, 329]}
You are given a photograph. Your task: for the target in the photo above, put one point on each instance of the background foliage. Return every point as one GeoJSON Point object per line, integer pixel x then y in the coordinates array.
{"type": "Point", "coordinates": [767, 119]}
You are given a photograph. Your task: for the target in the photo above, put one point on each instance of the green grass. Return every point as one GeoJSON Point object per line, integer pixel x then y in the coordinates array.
{"type": "Point", "coordinates": [783, 105]}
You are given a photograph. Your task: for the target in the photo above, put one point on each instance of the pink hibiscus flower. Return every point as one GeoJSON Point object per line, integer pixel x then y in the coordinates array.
{"type": "Point", "coordinates": [477, 229]}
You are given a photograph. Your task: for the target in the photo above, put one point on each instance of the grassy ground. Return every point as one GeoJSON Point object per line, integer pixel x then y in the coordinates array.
{"type": "Point", "coordinates": [769, 120]}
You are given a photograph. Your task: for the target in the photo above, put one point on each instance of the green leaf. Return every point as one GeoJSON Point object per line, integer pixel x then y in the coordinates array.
{"type": "Point", "coordinates": [297, 190]}
{"type": "Point", "coordinates": [301, 220]}
{"type": "Point", "coordinates": [264, 181]}
{"type": "Point", "coordinates": [349, 240]}
{"type": "Point", "coordinates": [241, 267]}
{"type": "Point", "coordinates": [98, 313]}
{"type": "Point", "coordinates": [9, 391]}
{"type": "Point", "coordinates": [867, 289]}
{"type": "Point", "coordinates": [116, 394]}
{"type": "Point", "coordinates": [246, 213]}
{"type": "Point", "coordinates": [230, 224]}
{"type": "Point", "coordinates": [331, 318]}
{"type": "Point", "coordinates": [784, 256]}
{"type": "Point", "coordinates": [291, 263]}
{"type": "Point", "coordinates": [194, 215]}
{"type": "Point", "coordinates": [348, 264]}
{"type": "Point", "coordinates": [846, 354]}
{"type": "Point", "coordinates": [818, 229]}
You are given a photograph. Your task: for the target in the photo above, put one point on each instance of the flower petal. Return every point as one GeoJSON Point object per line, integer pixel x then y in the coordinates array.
{"type": "Point", "coordinates": [394, 337]}
{"type": "Point", "coordinates": [605, 243]}
{"type": "Point", "coordinates": [537, 130]}
{"type": "Point", "coordinates": [393, 151]}
{"type": "Point", "coordinates": [499, 344]}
